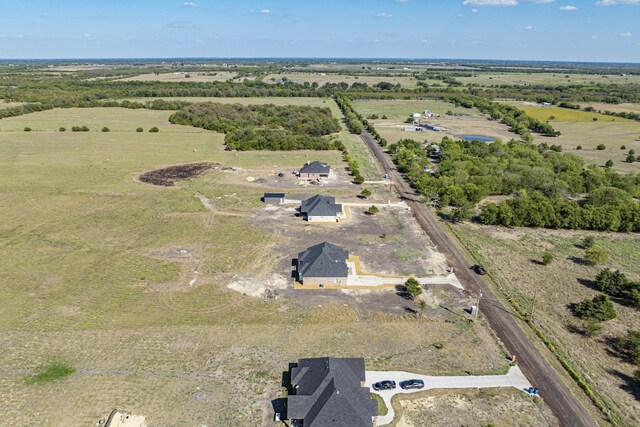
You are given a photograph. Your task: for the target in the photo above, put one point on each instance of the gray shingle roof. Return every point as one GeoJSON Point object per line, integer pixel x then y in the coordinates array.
{"type": "Point", "coordinates": [327, 392]}
{"type": "Point", "coordinates": [274, 195]}
{"type": "Point", "coordinates": [323, 260]}
{"type": "Point", "coordinates": [320, 206]}
{"type": "Point", "coordinates": [316, 167]}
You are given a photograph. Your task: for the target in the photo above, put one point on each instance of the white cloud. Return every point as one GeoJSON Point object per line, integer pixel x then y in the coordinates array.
{"type": "Point", "coordinates": [616, 2]}
{"type": "Point", "coordinates": [502, 2]}
{"type": "Point", "coordinates": [402, 1]}
{"type": "Point", "coordinates": [190, 4]}
{"type": "Point", "coordinates": [528, 28]}
{"type": "Point", "coordinates": [568, 8]}
{"type": "Point", "coordinates": [265, 11]}
{"type": "Point", "coordinates": [627, 34]}
{"type": "Point", "coordinates": [474, 10]}
{"type": "Point", "coordinates": [595, 37]}
{"type": "Point", "coordinates": [490, 2]}
{"type": "Point", "coordinates": [384, 15]}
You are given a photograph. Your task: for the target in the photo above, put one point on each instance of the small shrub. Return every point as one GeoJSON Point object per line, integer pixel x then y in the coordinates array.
{"type": "Point", "coordinates": [106, 129]}
{"type": "Point", "coordinates": [139, 130]}
{"type": "Point", "coordinates": [631, 158]}
{"type": "Point", "coordinates": [623, 147]}
{"type": "Point", "coordinates": [384, 116]}
{"type": "Point", "coordinates": [373, 210]}
{"type": "Point", "coordinates": [365, 193]}
{"type": "Point", "coordinates": [608, 164]}
{"type": "Point", "coordinates": [438, 345]}
{"type": "Point", "coordinates": [592, 328]}
{"type": "Point", "coordinates": [50, 372]}
{"type": "Point", "coordinates": [579, 147]}
{"type": "Point", "coordinates": [547, 257]}
{"type": "Point", "coordinates": [596, 255]}
{"type": "Point", "coordinates": [588, 241]}
{"type": "Point", "coordinates": [27, 129]}
{"type": "Point", "coordinates": [413, 287]}
{"type": "Point", "coordinates": [62, 129]}
{"type": "Point", "coordinates": [154, 130]}
{"type": "Point", "coordinates": [359, 179]}
{"type": "Point", "coordinates": [601, 147]}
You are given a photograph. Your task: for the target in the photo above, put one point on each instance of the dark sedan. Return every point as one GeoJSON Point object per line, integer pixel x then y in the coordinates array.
{"type": "Point", "coordinates": [384, 385]}
{"type": "Point", "coordinates": [411, 384]}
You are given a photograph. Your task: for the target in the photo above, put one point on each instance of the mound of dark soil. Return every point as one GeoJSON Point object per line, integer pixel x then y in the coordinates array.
{"type": "Point", "coordinates": [167, 177]}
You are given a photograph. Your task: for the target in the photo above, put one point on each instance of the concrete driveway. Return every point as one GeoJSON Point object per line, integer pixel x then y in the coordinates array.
{"type": "Point", "coordinates": [514, 378]}
{"type": "Point", "coordinates": [356, 280]}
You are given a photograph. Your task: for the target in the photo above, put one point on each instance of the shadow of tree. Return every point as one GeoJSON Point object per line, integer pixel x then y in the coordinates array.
{"type": "Point", "coordinates": [630, 384]}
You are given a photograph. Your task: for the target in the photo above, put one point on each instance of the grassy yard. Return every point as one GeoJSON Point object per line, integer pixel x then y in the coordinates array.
{"type": "Point", "coordinates": [95, 272]}
{"type": "Point", "coordinates": [513, 256]}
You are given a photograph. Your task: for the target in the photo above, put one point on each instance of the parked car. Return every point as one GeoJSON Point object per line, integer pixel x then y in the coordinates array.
{"type": "Point", "coordinates": [384, 385]}
{"type": "Point", "coordinates": [411, 384]}
{"type": "Point", "coordinates": [479, 269]}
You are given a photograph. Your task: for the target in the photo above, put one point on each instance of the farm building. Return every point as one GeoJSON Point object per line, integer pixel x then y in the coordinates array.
{"type": "Point", "coordinates": [314, 170]}
{"type": "Point", "coordinates": [323, 264]}
{"type": "Point", "coordinates": [328, 391]}
{"type": "Point", "coordinates": [273, 198]}
{"type": "Point", "coordinates": [321, 209]}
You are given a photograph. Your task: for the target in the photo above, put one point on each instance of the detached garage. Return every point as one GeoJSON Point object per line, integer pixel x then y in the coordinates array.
{"type": "Point", "coordinates": [273, 198]}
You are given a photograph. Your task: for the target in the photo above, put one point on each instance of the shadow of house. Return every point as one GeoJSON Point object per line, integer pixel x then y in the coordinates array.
{"type": "Point", "coordinates": [330, 391]}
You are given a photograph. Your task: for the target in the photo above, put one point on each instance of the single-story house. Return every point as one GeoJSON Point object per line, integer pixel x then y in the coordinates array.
{"type": "Point", "coordinates": [323, 264]}
{"type": "Point", "coordinates": [330, 391]}
{"type": "Point", "coordinates": [314, 170]}
{"type": "Point", "coordinates": [321, 209]}
{"type": "Point", "coordinates": [273, 198]}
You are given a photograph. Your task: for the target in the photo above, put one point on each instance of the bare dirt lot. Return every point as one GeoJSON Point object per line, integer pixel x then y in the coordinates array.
{"type": "Point", "coordinates": [495, 407]}
{"type": "Point", "coordinates": [167, 177]}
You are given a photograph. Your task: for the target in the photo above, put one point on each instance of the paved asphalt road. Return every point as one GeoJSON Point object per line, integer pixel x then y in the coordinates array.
{"type": "Point", "coordinates": [555, 393]}
{"type": "Point", "coordinates": [514, 378]}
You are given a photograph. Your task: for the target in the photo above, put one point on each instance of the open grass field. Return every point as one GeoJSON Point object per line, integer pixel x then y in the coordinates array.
{"type": "Point", "coordinates": [299, 101]}
{"type": "Point", "coordinates": [568, 115]}
{"type": "Point", "coordinates": [467, 122]}
{"type": "Point", "coordinates": [322, 78]}
{"type": "Point", "coordinates": [97, 272]}
{"type": "Point", "coordinates": [618, 108]}
{"type": "Point", "coordinates": [511, 255]}
{"type": "Point", "coordinates": [557, 78]}
{"type": "Point", "coordinates": [215, 76]}
{"type": "Point", "coordinates": [6, 104]}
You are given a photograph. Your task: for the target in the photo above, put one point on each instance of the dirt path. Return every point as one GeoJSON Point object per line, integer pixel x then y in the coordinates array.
{"type": "Point", "coordinates": [557, 395]}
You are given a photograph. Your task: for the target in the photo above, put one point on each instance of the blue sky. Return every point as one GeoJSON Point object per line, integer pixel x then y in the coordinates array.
{"type": "Point", "coordinates": [575, 30]}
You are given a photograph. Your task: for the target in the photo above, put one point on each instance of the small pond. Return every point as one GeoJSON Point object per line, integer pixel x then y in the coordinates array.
{"type": "Point", "coordinates": [480, 138]}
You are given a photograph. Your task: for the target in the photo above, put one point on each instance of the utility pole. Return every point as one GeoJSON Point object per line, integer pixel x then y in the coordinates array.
{"type": "Point", "coordinates": [477, 307]}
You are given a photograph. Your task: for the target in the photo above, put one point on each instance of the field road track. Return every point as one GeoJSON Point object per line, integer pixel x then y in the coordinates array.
{"type": "Point", "coordinates": [555, 393]}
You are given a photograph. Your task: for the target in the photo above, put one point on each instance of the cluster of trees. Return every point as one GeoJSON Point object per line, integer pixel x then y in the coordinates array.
{"type": "Point", "coordinates": [600, 309]}
{"type": "Point", "coordinates": [264, 127]}
{"type": "Point", "coordinates": [617, 285]}
{"type": "Point", "coordinates": [80, 129]}
{"type": "Point", "coordinates": [276, 139]}
{"type": "Point", "coordinates": [545, 188]}
{"type": "Point", "coordinates": [629, 348]}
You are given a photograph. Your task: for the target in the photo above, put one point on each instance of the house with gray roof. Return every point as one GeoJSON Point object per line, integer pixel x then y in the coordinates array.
{"type": "Point", "coordinates": [330, 392]}
{"type": "Point", "coordinates": [323, 264]}
{"type": "Point", "coordinates": [314, 170]}
{"type": "Point", "coordinates": [321, 209]}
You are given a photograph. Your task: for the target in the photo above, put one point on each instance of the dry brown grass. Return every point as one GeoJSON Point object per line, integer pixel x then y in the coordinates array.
{"type": "Point", "coordinates": [511, 255]}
